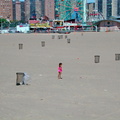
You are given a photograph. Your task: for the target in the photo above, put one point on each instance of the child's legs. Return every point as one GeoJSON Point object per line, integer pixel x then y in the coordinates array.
{"type": "Point", "coordinates": [59, 75]}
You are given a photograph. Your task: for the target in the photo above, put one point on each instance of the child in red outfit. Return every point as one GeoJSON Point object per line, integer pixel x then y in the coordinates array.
{"type": "Point", "coordinates": [60, 71]}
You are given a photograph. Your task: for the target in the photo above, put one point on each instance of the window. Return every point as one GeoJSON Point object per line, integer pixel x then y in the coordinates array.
{"type": "Point", "coordinates": [109, 8]}
{"type": "Point", "coordinates": [118, 8]}
{"type": "Point", "coordinates": [100, 5]}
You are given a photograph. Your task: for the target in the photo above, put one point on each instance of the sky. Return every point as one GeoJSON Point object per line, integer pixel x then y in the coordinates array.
{"type": "Point", "coordinates": [91, 0]}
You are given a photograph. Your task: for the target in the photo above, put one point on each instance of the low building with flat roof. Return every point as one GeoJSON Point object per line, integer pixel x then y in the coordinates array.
{"type": "Point", "coordinates": [108, 25]}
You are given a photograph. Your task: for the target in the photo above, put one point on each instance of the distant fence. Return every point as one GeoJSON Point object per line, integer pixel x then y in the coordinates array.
{"type": "Point", "coordinates": [98, 29]}
{"type": "Point", "coordinates": [108, 29]}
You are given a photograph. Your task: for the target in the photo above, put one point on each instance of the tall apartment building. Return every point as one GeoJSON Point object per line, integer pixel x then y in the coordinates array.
{"type": "Point", "coordinates": [27, 10]}
{"type": "Point", "coordinates": [49, 9]}
{"type": "Point", "coordinates": [35, 9]}
{"type": "Point", "coordinates": [91, 11]}
{"type": "Point", "coordinates": [90, 7]}
{"type": "Point", "coordinates": [22, 10]}
{"type": "Point", "coordinates": [38, 8]}
{"type": "Point", "coordinates": [6, 9]}
{"type": "Point", "coordinates": [19, 10]}
{"type": "Point", "coordinates": [118, 8]}
{"type": "Point", "coordinates": [108, 7]}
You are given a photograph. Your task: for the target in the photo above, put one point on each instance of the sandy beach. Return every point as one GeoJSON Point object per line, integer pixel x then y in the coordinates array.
{"type": "Point", "coordinates": [88, 90]}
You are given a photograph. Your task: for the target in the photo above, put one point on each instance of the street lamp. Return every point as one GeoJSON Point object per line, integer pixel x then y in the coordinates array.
{"type": "Point", "coordinates": [1, 23]}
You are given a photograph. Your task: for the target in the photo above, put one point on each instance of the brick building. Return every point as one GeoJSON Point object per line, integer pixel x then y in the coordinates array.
{"type": "Point", "coordinates": [39, 8]}
{"type": "Point", "coordinates": [33, 9]}
{"type": "Point", "coordinates": [6, 9]}
{"type": "Point", "coordinates": [18, 10]}
{"type": "Point", "coordinates": [49, 9]}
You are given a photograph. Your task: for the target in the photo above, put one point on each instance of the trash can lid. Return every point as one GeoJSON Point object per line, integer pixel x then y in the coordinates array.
{"type": "Point", "coordinates": [19, 73]}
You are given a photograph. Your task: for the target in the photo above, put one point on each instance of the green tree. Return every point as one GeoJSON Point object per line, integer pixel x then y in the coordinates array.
{"type": "Point", "coordinates": [15, 23]}
{"type": "Point", "coordinates": [4, 23]}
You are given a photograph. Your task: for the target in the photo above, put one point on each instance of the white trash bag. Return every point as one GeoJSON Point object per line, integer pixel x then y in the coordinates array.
{"type": "Point", "coordinates": [26, 78]}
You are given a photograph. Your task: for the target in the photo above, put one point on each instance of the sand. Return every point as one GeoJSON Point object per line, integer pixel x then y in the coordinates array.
{"type": "Point", "coordinates": [88, 90]}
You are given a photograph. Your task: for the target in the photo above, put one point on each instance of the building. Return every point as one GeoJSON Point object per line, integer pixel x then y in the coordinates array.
{"type": "Point", "coordinates": [49, 9]}
{"type": "Point", "coordinates": [108, 25]}
{"type": "Point", "coordinates": [34, 9]}
{"type": "Point", "coordinates": [91, 7]}
{"type": "Point", "coordinates": [19, 10]}
{"type": "Point", "coordinates": [91, 11]}
{"type": "Point", "coordinates": [6, 9]}
{"type": "Point", "coordinates": [27, 10]}
{"type": "Point", "coordinates": [38, 8]}
{"type": "Point", "coordinates": [108, 7]}
{"type": "Point", "coordinates": [22, 11]}
{"type": "Point", "coordinates": [118, 8]}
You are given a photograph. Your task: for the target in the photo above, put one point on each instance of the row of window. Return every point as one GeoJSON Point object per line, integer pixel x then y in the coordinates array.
{"type": "Point", "coordinates": [108, 7]}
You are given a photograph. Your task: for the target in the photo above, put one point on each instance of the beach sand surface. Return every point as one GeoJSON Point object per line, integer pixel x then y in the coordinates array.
{"type": "Point", "coordinates": [88, 90]}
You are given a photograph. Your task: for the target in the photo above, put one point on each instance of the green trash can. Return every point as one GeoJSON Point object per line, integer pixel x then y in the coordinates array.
{"type": "Point", "coordinates": [19, 79]}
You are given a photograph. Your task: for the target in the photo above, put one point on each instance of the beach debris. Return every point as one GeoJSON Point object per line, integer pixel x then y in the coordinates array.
{"type": "Point", "coordinates": [26, 77]}
{"type": "Point", "coordinates": [22, 78]}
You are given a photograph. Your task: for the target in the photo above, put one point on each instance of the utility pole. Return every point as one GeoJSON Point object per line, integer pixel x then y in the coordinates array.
{"type": "Point", "coordinates": [84, 11]}
{"type": "Point", "coordinates": [1, 23]}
